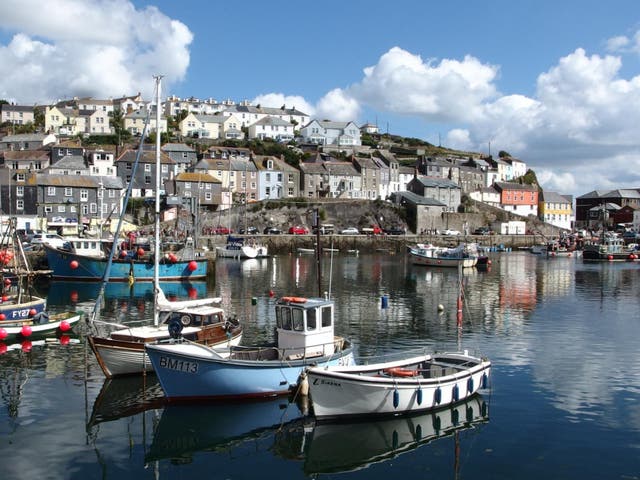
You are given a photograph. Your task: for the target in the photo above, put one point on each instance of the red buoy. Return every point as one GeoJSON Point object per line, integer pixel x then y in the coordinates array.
{"type": "Point", "coordinates": [140, 252]}
{"type": "Point", "coordinates": [74, 296]}
{"type": "Point", "coordinates": [123, 253]}
{"type": "Point", "coordinates": [3, 348]}
{"type": "Point", "coordinates": [610, 257]}
{"type": "Point", "coordinates": [64, 339]}
{"type": "Point", "coordinates": [192, 265]}
{"type": "Point", "coordinates": [32, 312]}
{"type": "Point", "coordinates": [2, 316]}
{"type": "Point", "coordinates": [73, 264]}
{"type": "Point", "coordinates": [3, 334]}
{"type": "Point", "coordinates": [5, 298]}
{"type": "Point", "coordinates": [193, 293]}
{"type": "Point", "coordinates": [26, 331]}
{"type": "Point", "coordinates": [271, 294]}
{"type": "Point", "coordinates": [65, 326]}
{"type": "Point", "coordinates": [26, 346]}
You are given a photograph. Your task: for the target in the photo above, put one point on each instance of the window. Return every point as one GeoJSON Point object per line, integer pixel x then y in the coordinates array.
{"type": "Point", "coordinates": [326, 316]}
{"type": "Point", "coordinates": [164, 168]}
{"type": "Point", "coordinates": [51, 191]}
{"type": "Point", "coordinates": [93, 208]}
{"type": "Point", "coordinates": [268, 177]}
{"type": "Point", "coordinates": [19, 191]}
{"type": "Point", "coordinates": [20, 177]}
{"type": "Point", "coordinates": [147, 167]}
{"type": "Point", "coordinates": [208, 196]}
{"type": "Point", "coordinates": [187, 185]}
{"type": "Point", "coordinates": [19, 204]}
{"type": "Point", "coordinates": [84, 195]}
{"type": "Point", "coordinates": [112, 193]}
{"type": "Point", "coordinates": [62, 208]}
{"type": "Point", "coordinates": [147, 179]}
{"type": "Point", "coordinates": [311, 319]}
{"type": "Point", "coordinates": [68, 192]}
{"type": "Point", "coordinates": [48, 209]}
{"type": "Point", "coordinates": [298, 319]}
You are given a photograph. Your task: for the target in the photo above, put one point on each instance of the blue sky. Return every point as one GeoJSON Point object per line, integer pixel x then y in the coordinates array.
{"type": "Point", "coordinates": [555, 83]}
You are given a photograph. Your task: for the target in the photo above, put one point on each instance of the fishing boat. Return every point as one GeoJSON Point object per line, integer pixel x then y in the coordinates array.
{"type": "Point", "coordinates": [414, 384]}
{"type": "Point", "coordinates": [22, 313]}
{"type": "Point", "coordinates": [350, 445]}
{"type": "Point", "coordinates": [121, 351]}
{"type": "Point", "coordinates": [128, 266]}
{"type": "Point", "coordinates": [610, 248]}
{"type": "Point", "coordinates": [237, 248]}
{"type": "Point", "coordinates": [430, 255]}
{"type": "Point", "coordinates": [305, 336]}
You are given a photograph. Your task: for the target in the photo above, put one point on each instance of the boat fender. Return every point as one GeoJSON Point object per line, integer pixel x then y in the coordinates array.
{"type": "Point", "coordinates": [436, 423]}
{"type": "Point", "coordinates": [470, 385]}
{"type": "Point", "coordinates": [40, 318]}
{"type": "Point", "coordinates": [175, 328]}
{"type": "Point", "coordinates": [419, 396]}
{"type": "Point", "coordinates": [185, 320]}
{"type": "Point", "coordinates": [455, 416]}
{"type": "Point", "coordinates": [396, 398]}
{"type": "Point", "coordinates": [455, 394]}
{"type": "Point", "coordinates": [485, 380]}
{"type": "Point", "coordinates": [437, 396]}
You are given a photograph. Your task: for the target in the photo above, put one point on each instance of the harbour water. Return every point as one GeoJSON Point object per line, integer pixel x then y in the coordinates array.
{"type": "Point", "coordinates": [564, 400]}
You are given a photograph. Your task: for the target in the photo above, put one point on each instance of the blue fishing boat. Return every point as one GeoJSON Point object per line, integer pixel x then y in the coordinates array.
{"type": "Point", "coordinates": [305, 336]}
{"type": "Point", "coordinates": [67, 265]}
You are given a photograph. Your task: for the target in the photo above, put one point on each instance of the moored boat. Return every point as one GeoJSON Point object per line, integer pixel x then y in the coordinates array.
{"type": "Point", "coordinates": [237, 248]}
{"type": "Point", "coordinates": [413, 384]}
{"type": "Point", "coordinates": [122, 351]}
{"type": "Point", "coordinates": [433, 256]}
{"type": "Point", "coordinates": [305, 336]}
{"type": "Point", "coordinates": [609, 249]}
{"type": "Point", "coordinates": [40, 324]}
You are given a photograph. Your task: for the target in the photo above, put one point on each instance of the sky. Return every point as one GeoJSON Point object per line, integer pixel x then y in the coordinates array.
{"type": "Point", "coordinates": [553, 83]}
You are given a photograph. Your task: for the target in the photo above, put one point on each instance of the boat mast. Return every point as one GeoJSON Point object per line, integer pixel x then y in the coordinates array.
{"type": "Point", "coordinates": [157, 253]}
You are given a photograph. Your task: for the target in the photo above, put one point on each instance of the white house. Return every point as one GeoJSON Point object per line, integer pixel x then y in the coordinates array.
{"type": "Point", "coordinates": [324, 132]}
{"type": "Point", "coordinates": [271, 127]}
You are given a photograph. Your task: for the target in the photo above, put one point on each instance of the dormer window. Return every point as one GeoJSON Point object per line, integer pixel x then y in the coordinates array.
{"type": "Point", "coordinates": [269, 164]}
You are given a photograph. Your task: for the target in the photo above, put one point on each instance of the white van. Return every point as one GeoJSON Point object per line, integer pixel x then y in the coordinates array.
{"type": "Point", "coordinates": [51, 239]}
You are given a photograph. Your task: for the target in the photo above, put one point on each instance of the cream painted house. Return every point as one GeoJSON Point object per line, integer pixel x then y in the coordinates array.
{"type": "Point", "coordinates": [211, 126]}
{"type": "Point", "coordinates": [134, 122]}
{"type": "Point", "coordinates": [63, 121]}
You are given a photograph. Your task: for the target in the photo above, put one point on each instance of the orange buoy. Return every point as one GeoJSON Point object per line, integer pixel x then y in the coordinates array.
{"type": "Point", "coordinates": [400, 372]}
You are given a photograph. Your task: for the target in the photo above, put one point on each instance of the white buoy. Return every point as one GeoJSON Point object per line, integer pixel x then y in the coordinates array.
{"type": "Point", "coordinates": [440, 307]}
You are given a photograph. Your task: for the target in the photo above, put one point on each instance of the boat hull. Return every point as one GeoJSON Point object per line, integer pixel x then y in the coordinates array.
{"type": "Point", "coordinates": [192, 373]}
{"type": "Point", "coordinates": [23, 310]}
{"type": "Point", "coordinates": [443, 262]}
{"type": "Point", "coordinates": [56, 323]}
{"type": "Point", "coordinates": [361, 391]}
{"type": "Point", "coordinates": [597, 256]}
{"type": "Point", "coordinates": [69, 266]}
{"type": "Point", "coordinates": [121, 357]}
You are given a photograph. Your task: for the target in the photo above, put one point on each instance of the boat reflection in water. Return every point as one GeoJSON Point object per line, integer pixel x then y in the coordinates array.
{"type": "Point", "coordinates": [126, 396]}
{"type": "Point", "coordinates": [186, 429]}
{"type": "Point", "coordinates": [62, 292]}
{"type": "Point", "coordinates": [354, 445]}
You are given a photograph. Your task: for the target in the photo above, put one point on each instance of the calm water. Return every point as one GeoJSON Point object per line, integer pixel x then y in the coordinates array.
{"type": "Point", "coordinates": [564, 400]}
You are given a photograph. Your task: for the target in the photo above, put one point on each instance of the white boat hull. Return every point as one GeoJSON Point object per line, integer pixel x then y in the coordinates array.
{"type": "Point", "coordinates": [366, 390]}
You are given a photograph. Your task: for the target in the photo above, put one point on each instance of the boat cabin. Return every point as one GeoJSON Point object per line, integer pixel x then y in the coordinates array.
{"type": "Point", "coordinates": [304, 327]}
{"type": "Point", "coordinates": [90, 247]}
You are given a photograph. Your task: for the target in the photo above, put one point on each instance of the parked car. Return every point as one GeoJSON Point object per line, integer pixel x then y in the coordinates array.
{"type": "Point", "coordinates": [325, 229]}
{"type": "Point", "coordinates": [450, 232]}
{"type": "Point", "coordinates": [298, 230]}
{"type": "Point", "coordinates": [482, 231]}
{"type": "Point", "coordinates": [272, 231]}
{"type": "Point", "coordinates": [248, 231]}
{"type": "Point", "coordinates": [219, 230]}
{"type": "Point", "coordinates": [372, 230]}
{"type": "Point", "coordinates": [395, 231]}
{"type": "Point", "coordinates": [51, 239]}
{"type": "Point", "coordinates": [350, 231]}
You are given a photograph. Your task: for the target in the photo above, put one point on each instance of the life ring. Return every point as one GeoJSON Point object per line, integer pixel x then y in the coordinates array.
{"type": "Point", "coordinates": [185, 320]}
{"type": "Point", "coordinates": [400, 372]}
{"type": "Point", "coordinates": [294, 299]}
{"type": "Point", "coordinates": [175, 328]}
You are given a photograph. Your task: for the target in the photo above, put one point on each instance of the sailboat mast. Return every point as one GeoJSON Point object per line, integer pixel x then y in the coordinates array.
{"type": "Point", "coordinates": [157, 252]}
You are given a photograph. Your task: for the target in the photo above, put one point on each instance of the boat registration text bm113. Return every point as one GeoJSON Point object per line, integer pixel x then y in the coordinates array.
{"type": "Point", "coordinates": [178, 365]}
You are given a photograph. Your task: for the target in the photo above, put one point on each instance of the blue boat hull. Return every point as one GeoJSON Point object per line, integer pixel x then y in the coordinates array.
{"type": "Point", "coordinates": [22, 311]}
{"type": "Point", "coordinates": [92, 269]}
{"type": "Point", "coordinates": [186, 377]}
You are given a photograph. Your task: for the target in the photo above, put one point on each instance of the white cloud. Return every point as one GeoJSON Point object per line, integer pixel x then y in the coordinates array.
{"type": "Point", "coordinates": [338, 105]}
{"type": "Point", "coordinates": [277, 100]}
{"type": "Point", "coordinates": [97, 48]}
{"type": "Point", "coordinates": [617, 44]}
